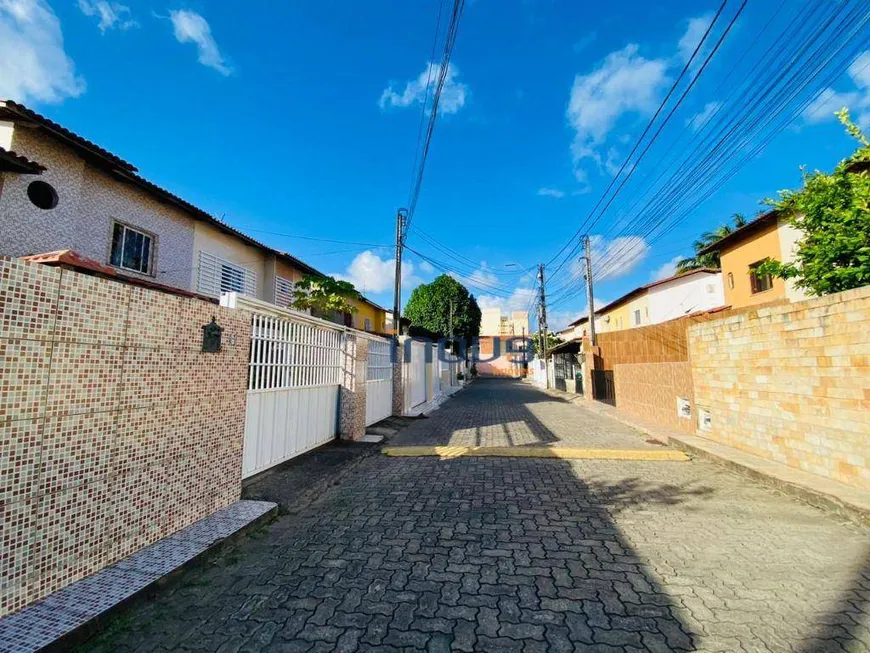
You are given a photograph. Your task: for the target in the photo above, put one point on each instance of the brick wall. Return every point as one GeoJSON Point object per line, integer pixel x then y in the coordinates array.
{"type": "Point", "coordinates": [791, 383]}
{"type": "Point", "coordinates": [115, 429]}
{"type": "Point", "coordinates": [650, 391]}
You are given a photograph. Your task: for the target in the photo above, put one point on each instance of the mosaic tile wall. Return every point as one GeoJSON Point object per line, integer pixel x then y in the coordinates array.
{"type": "Point", "coordinates": [89, 200]}
{"type": "Point", "coordinates": [115, 429]}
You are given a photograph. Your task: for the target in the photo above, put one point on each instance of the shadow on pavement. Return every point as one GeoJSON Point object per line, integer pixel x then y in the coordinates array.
{"type": "Point", "coordinates": [839, 628]}
{"type": "Point", "coordinates": [501, 412]}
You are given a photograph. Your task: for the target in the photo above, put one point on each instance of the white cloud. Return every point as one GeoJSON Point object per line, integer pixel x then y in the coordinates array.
{"type": "Point", "coordinates": [518, 300]}
{"type": "Point", "coordinates": [111, 14]}
{"type": "Point", "coordinates": [551, 192]}
{"type": "Point", "coordinates": [613, 162]}
{"type": "Point", "coordinates": [612, 258]}
{"type": "Point", "coordinates": [624, 83]}
{"type": "Point", "coordinates": [190, 27]}
{"type": "Point", "coordinates": [667, 269]}
{"type": "Point", "coordinates": [453, 94]}
{"type": "Point", "coordinates": [33, 63]}
{"type": "Point", "coordinates": [857, 100]}
{"type": "Point", "coordinates": [369, 273]}
{"type": "Point", "coordinates": [698, 121]}
{"type": "Point", "coordinates": [694, 33]}
{"type": "Point", "coordinates": [427, 268]}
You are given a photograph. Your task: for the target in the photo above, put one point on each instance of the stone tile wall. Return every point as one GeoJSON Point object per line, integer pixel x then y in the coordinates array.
{"type": "Point", "coordinates": [355, 356]}
{"type": "Point", "coordinates": [650, 391]}
{"type": "Point", "coordinates": [89, 202]}
{"type": "Point", "coordinates": [791, 383]}
{"type": "Point", "coordinates": [115, 429]}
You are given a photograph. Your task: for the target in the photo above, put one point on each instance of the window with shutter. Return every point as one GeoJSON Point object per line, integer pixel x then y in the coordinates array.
{"type": "Point", "coordinates": [217, 276]}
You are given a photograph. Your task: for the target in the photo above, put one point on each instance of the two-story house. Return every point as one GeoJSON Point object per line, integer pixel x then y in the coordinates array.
{"type": "Point", "coordinates": [60, 191]}
{"type": "Point", "coordinates": [768, 237]}
{"type": "Point", "coordinates": [666, 299]}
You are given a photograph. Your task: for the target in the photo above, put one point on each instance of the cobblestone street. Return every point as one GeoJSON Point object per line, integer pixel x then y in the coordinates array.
{"type": "Point", "coordinates": [504, 554]}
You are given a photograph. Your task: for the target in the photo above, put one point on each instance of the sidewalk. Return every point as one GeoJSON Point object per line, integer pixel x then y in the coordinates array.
{"type": "Point", "coordinates": [826, 494]}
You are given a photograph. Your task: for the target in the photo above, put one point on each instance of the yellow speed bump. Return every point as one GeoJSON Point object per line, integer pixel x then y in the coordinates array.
{"type": "Point", "coordinates": [569, 453]}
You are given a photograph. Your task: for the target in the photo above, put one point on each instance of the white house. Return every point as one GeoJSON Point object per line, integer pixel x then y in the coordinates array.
{"type": "Point", "coordinates": [690, 292]}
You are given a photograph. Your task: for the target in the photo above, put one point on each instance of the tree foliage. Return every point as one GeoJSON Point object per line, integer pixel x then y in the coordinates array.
{"type": "Point", "coordinates": [537, 341]}
{"type": "Point", "coordinates": [833, 213]}
{"type": "Point", "coordinates": [432, 304]}
{"type": "Point", "coordinates": [710, 259]}
{"type": "Point", "coordinates": [324, 296]}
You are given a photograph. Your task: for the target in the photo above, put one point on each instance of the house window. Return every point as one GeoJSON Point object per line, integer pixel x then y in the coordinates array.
{"type": "Point", "coordinates": [731, 280]}
{"type": "Point", "coordinates": [283, 291]}
{"type": "Point", "coordinates": [637, 317]}
{"type": "Point", "coordinates": [368, 325]}
{"type": "Point", "coordinates": [218, 276]}
{"type": "Point", "coordinates": [131, 249]}
{"type": "Point", "coordinates": [759, 282]}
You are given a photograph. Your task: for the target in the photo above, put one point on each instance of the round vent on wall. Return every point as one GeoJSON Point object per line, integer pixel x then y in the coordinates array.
{"type": "Point", "coordinates": [42, 195]}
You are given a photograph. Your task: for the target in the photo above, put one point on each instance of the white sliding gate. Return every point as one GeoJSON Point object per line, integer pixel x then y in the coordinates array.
{"type": "Point", "coordinates": [293, 389]}
{"type": "Point", "coordinates": [379, 381]}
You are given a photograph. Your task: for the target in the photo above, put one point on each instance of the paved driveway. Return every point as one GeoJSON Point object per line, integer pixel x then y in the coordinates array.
{"type": "Point", "coordinates": [503, 554]}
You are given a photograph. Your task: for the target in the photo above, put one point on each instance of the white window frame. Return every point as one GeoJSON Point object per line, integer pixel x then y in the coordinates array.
{"type": "Point", "coordinates": [149, 266]}
{"type": "Point", "coordinates": [214, 272]}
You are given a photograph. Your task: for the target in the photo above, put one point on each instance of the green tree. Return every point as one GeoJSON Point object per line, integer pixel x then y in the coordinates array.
{"type": "Point", "coordinates": [833, 213]}
{"type": "Point", "coordinates": [710, 259]}
{"type": "Point", "coordinates": [537, 340]}
{"type": "Point", "coordinates": [444, 305]}
{"type": "Point", "coordinates": [324, 296]}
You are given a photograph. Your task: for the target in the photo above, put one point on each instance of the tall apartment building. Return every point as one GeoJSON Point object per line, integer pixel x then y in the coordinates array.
{"type": "Point", "coordinates": [494, 323]}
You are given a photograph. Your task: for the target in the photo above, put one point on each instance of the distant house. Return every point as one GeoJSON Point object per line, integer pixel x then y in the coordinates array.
{"type": "Point", "coordinates": [769, 236]}
{"type": "Point", "coordinates": [503, 355]}
{"type": "Point", "coordinates": [681, 294]}
{"type": "Point", "coordinates": [60, 191]}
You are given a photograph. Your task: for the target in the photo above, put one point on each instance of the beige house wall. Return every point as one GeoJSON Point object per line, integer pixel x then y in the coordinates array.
{"type": "Point", "coordinates": [89, 202]}
{"type": "Point", "coordinates": [116, 430]}
{"type": "Point", "coordinates": [788, 241]}
{"type": "Point", "coordinates": [230, 248]}
{"type": "Point", "coordinates": [620, 318]}
{"type": "Point", "coordinates": [790, 383]}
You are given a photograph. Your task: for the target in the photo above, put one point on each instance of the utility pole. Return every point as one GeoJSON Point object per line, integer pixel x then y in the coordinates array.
{"type": "Point", "coordinates": [542, 320]}
{"type": "Point", "coordinates": [589, 294]}
{"type": "Point", "coordinates": [525, 360]}
{"type": "Point", "coordinates": [397, 303]}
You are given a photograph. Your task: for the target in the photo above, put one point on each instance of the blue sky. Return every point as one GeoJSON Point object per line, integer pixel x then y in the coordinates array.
{"type": "Point", "coordinates": [301, 118]}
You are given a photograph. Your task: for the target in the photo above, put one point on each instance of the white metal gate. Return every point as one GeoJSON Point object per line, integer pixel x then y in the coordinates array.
{"type": "Point", "coordinates": [293, 389]}
{"type": "Point", "coordinates": [379, 381]}
{"type": "Point", "coordinates": [417, 373]}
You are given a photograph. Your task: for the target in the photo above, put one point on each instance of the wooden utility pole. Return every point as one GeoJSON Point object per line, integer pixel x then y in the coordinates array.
{"type": "Point", "coordinates": [589, 294]}
{"type": "Point", "coordinates": [542, 319]}
{"type": "Point", "coordinates": [400, 243]}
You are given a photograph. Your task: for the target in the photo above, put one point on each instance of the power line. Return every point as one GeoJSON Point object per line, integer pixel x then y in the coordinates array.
{"type": "Point", "coordinates": [449, 44]}
{"type": "Point", "coordinates": [765, 114]}
{"type": "Point", "coordinates": [321, 240]}
{"type": "Point", "coordinates": [639, 140]}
